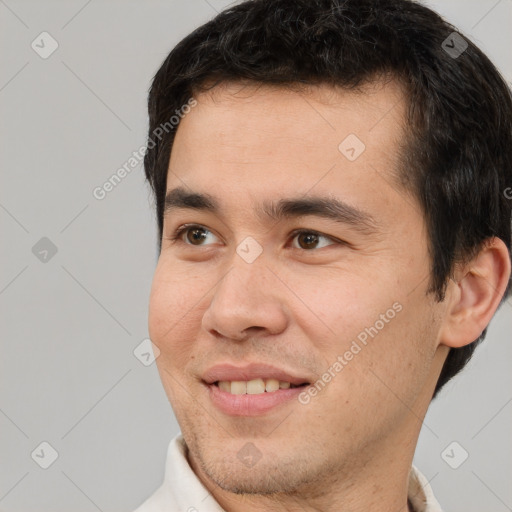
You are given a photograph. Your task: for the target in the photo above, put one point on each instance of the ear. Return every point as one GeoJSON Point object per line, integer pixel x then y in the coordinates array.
{"type": "Point", "coordinates": [475, 294]}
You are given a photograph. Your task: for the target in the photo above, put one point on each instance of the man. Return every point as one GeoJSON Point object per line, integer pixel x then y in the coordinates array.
{"type": "Point", "coordinates": [335, 238]}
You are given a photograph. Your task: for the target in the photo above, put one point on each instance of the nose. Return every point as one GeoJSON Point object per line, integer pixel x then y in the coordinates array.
{"type": "Point", "coordinates": [248, 301]}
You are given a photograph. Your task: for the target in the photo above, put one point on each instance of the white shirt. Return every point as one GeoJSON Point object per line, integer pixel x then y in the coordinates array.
{"type": "Point", "coordinates": [182, 491]}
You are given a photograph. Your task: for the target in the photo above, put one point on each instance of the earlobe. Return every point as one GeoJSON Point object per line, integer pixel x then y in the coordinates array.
{"type": "Point", "coordinates": [475, 294]}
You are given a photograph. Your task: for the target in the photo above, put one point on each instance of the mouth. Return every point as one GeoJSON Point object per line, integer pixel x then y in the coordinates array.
{"type": "Point", "coordinates": [255, 386]}
{"type": "Point", "coordinates": [252, 398]}
{"type": "Point", "coordinates": [252, 389]}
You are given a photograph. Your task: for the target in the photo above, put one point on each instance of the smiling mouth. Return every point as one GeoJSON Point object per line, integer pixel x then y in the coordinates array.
{"type": "Point", "coordinates": [255, 386]}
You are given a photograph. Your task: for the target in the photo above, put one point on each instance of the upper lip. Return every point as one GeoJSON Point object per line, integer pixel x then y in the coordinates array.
{"type": "Point", "coordinates": [229, 372]}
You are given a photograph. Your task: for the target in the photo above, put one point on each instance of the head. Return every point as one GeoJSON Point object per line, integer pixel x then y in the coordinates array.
{"type": "Point", "coordinates": [284, 106]}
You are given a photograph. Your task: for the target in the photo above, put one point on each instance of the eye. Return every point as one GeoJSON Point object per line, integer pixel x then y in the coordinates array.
{"type": "Point", "coordinates": [308, 240]}
{"type": "Point", "coordinates": [194, 234]}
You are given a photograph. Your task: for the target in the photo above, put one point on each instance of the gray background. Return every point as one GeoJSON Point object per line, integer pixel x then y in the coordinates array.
{"type": "Point", "coordinates": [70, 324]}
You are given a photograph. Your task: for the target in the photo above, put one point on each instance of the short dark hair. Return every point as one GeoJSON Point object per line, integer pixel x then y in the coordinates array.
{"type": "Point", "coordinates": [457, 160]}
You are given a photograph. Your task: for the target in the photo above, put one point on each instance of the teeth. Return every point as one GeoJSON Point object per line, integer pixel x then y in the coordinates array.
{"type": "Point", "coordinates": [253, 387]}
{"type": "Point", "coordinates": [224, 385]}
{"type": "Point", "coordinates": [238, 387]}
{"type": "Point", "coordinates": [271, 385]}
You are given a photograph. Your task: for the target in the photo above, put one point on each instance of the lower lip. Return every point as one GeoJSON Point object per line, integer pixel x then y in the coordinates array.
{"type": "Point", "coordinates": [251, 405]}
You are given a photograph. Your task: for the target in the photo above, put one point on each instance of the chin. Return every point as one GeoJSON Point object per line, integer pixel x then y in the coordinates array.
{"type": "Point", "coordinates": [267, 479]}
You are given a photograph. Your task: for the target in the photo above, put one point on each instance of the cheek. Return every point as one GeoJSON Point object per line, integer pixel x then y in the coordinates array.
{"type": "Point", "coordinates": [174, 308]}
{"type": "Point", "coordinates": [336, 307]}
{"type": "Point", "coordinates": [396, 360]}
{"type": "Point", "coordinates": [377, 328]}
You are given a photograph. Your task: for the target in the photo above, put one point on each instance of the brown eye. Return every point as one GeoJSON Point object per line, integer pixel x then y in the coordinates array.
{"type": "Point", "coordinates": [308, 240]}
{"type": "Point", "coordinates": [196, 235]}
{"type": "Point", "coordinates": [191, 234]}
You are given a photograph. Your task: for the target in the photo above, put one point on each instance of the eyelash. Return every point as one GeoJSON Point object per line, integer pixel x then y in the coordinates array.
{"type": "Point", "coordinates": [185, 227]}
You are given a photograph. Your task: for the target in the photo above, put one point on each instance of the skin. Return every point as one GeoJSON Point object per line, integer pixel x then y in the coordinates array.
{"type": "Point", "coordinates": [296, 307]}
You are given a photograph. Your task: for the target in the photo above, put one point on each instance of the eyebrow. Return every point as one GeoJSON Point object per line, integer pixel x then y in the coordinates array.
{"type": "Point", "coordinates": [325, 207]}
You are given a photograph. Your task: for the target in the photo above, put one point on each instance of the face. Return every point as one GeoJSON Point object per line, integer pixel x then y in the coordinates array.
{"type": "Point", "coordinates": [332, 297]}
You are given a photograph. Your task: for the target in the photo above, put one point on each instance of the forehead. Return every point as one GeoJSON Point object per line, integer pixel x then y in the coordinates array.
{"type": "Point", "coordinates": [248, 122]}
{"type": "Point", "coordinates": [333, 105]}
{"type": "Point", "coordinates": [260, 140]}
